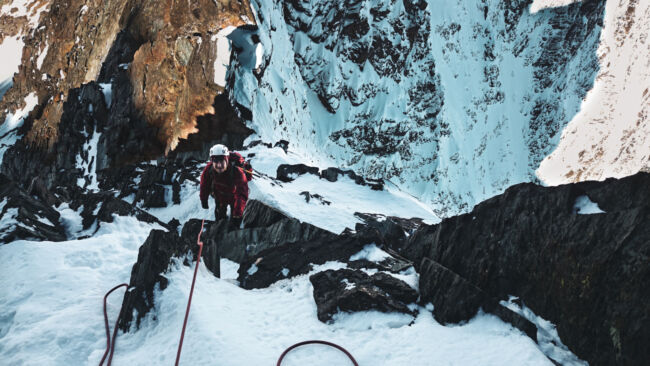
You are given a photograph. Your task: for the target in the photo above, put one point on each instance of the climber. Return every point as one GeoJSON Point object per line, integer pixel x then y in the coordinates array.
{"type": "Point", "coordinates": [227, 183]}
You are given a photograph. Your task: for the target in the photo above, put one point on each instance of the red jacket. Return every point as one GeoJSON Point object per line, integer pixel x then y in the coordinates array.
{"type": "Point", "coordinates": [229, 187]}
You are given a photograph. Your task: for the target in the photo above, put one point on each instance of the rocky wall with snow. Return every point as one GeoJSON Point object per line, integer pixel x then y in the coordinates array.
{"type": "Point", "coordinates": [453, 101]}
{"type": "Point", "coordinates": [575, 254]}
{"type": "Point", "coordinates": [165, 52]}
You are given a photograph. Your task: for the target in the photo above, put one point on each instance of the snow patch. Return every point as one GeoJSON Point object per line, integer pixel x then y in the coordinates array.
{"type": "Point", "coordinates": [538, 5]}
{"type": "Point", "coordinates": [259, 55]}
{"type": "Point", "coordinates": [584, 206]}
{"type": "Point", "coordinates": [41, 57]}
{"type": "Point", "coordinates": [251, 271]}
{"type": "Point", "coordinates": [7, 218]}
{"type": "Point", "coordinates": [71, 220]}
{"type": "Point", "coordinates": [8, 130]}
{"type": "Point", "coordinates": [11, 50]}
{"type": "Point", "coordinates": [107, 89]}
{"type": "Point", "coordinates": [348, 284]}
{"type": "Point", "coordinates": [89, 164]}
{"type": "Point", "coordinates": [371, 253]}
{"type": "Point", "coordinates": [222, 60]}
{"type": "Point", "coordinates": [547, 336]}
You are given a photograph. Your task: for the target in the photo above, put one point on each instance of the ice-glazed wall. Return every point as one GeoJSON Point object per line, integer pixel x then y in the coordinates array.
{"type": "Point", "coordinates": [453, 101]}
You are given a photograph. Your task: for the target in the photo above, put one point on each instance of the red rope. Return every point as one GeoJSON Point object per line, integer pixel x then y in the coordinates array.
{"type": "Point", "coordinates": [108, 332]}
{"type": "Point", "coordinates": [189, 301]}
{"type": "Point", "coordinates": [354, 362]}
{"type": "Point", "coordinates": [110, 346]}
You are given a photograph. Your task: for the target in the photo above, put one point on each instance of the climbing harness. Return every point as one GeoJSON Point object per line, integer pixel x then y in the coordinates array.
{"type": "Point", "coordinates": [110, 345]}
{"type": "Point", "coordinates": [354, 362]}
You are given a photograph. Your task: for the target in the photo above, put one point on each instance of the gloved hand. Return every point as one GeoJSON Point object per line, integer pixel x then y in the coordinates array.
{"type": "Point", "coordinates": [204, 204]}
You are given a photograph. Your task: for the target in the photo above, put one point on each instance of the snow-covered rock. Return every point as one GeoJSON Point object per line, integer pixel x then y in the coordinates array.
{"type": "Point", "coordinates": [610, 136]}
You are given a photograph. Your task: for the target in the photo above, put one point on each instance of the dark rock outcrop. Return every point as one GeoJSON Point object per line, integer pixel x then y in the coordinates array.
{"type": "Point", "coordinates": [154, 259]}
{"type": "Point", "coordinates": [455, 299]}
{"type": "Point", "coordinates": [315, 197]}
{"type": "Point", "coordinates": [26, 217]}
{"type": "Point", "coordinates": [272, 246]}
{"type": "Point", "coordinates": [283, 144]}
{"type": "Point", "coordinates": [258, 214]}
{"type": "Point", "coordinates": [295, 258]}
{"type": "Point", "coordinates": [332, 175]}
{"type": "Point", "coordinates": [152, 196]}
{"type": "Point", "coordinates": [102, 206]}
{"type": "Point", "coordinates": [393, 230]}
{"type": "Point", "coordinates": [265, 228]}
{"type": "Point", "coordinates": [393, 264]}
{"type": "Point", "coordinates": [288, 172]}
{"type": "Point", "coordinates": [349, 290]}
{"type": "Point", "coordinates": [587, 274]}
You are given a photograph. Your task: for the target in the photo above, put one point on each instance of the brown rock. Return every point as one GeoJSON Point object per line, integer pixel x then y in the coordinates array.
{"type": "Point", "coordinates": [171, 73]}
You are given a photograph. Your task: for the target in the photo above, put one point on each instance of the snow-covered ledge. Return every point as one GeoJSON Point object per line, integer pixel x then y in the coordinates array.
{"type": "Point", "coordinates": [538, 5]}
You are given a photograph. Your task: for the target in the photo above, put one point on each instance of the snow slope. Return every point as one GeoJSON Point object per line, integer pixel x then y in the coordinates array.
{"type": "Point", "coordinates": [610, 136]}
{"type": "Point", "coordinates": [50, 306]}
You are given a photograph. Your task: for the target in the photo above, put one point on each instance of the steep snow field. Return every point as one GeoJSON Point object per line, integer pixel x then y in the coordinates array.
{"type": "Point", "coordinates": [538, 5]}
{"type": "Point", "coordinates": [51, 298]}
{"type": "Point", "coordinates": [610, 136]}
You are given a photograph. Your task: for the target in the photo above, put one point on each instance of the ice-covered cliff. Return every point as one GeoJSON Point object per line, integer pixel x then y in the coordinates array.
{"type": "Point", "coordinates": [452, 100]}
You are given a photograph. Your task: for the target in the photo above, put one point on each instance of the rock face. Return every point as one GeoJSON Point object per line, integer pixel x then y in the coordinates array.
{"type": "Point", "coordinates": [264, 229]}
{"type": "Point", "coordinates": [394, 231]}
{"type": "Point", "coordinates": [24, 217]}
{"type": "Point", "coordinates": [456, 300]}
{"type": "Point", "coordinates": [154, 259]}
{"type": "Point", "coordinates": [169, 61]}
{"type": "Point", "coordinates": [273, 246]}
{"type": "Point", "coordinates": [100, 207]}
{"type": "Point", "coordinates": [294, 258]}
{"type": "Point", "coordinates": [586, 273]}
{"type": "Point", "coordinates": [348, 291]}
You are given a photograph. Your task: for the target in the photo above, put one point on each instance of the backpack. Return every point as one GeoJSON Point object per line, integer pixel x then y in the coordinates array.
{"type": "Point", "coordinates": [237, 160]}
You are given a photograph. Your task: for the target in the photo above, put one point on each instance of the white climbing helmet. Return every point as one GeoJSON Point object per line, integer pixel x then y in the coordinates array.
{"type": "Point", "coordinates": [219, 150]}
